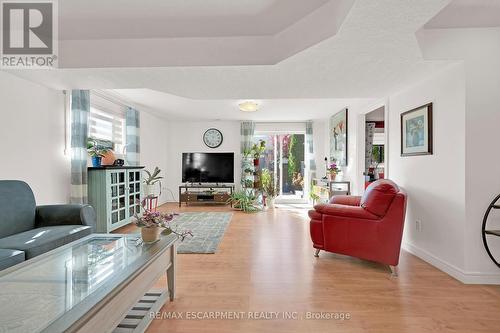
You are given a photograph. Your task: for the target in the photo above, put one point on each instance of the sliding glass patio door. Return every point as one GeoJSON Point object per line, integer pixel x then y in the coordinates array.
{"type": "Point", "coordinates": [284, 157]}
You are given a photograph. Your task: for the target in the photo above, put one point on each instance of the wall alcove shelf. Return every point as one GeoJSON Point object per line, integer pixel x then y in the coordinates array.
{"type": "Point", "coordinates": [495, 205]}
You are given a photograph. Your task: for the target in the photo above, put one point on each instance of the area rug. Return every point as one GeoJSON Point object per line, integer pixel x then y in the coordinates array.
{"type": "Point", "coordinates": [208, 229]}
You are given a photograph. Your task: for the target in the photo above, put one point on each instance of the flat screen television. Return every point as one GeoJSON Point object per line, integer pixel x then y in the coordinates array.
{"type": "Point", "coordinates": [208, 167]}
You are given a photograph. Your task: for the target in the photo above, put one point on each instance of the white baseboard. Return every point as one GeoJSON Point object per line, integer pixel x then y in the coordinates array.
{"type": "Point", "coordinates": [452, 270]}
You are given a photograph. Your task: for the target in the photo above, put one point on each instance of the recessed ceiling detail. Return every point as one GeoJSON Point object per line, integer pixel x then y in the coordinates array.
{"type": "Point", "coordinates": [132, 19]}
{"type": "Point", "coordinates": [179, 108]}
{"type": "Point", "coordinates": [374, 53]}
{"type": "Point", "coordinates": [152, 33]}
{"type": "Point", "coordinates": [467, 14]}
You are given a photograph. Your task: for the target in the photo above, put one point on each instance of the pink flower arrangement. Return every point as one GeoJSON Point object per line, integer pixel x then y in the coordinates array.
{"type": "Point", "coordinates": [153, 219]}
{"type": "Point", "coordinates": [332, 168]}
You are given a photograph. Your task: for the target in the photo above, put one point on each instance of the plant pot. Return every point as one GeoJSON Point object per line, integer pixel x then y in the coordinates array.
{"type": "Point", "coordinates": [332, 176]}
{"type": "Point", "coordinates": [109, 158]}
{"type": "Point", "coordinates": [270, 202]}
{"type": "Point", "coordinates": [150, 235]}
{"type": "Point", "coordinates": [96, 161]}
{"type": "Point", "coordinates": [149, 190]}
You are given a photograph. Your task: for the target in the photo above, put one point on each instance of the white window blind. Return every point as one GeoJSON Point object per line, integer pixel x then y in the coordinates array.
{"type": "Point", "coordinates": [107, 121]}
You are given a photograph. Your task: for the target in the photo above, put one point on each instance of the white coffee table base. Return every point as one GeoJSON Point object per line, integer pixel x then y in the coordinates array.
{"type": "Point", "coordinates": [128, 310]}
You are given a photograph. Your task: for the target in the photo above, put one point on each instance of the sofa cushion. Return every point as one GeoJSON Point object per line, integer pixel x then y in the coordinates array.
{"type": "Point", "coordinates": [40, 240]}
{"type": "Point", "coordinates": [10, 257]}
{"type": "Point", "coordinates": [378, 196]}
{"type": "Point", "coordinates": [17, 207]}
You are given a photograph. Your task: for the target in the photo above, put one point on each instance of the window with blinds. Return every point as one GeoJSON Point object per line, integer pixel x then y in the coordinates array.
{"type": "Point", "coordinates": [107, 121]}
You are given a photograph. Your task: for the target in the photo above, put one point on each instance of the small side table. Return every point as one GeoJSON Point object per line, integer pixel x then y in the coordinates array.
{"type": "Point", "coordinates": [335, 187]}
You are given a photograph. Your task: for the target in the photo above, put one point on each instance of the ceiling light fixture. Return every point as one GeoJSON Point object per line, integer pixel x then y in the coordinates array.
{"type": "Point", "coordinates": [249, 106]}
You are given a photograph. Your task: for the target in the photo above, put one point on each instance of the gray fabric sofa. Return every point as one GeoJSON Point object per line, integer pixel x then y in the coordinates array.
{"type": "Point", "coordinates": [27, 230]}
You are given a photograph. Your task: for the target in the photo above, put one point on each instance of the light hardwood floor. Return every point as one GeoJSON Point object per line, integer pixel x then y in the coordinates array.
{"type": "Point", "coordinates": [265, 263]}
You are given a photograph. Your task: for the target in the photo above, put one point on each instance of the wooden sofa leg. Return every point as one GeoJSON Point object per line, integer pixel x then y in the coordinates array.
{"type": "Point", "coordinates": [394, 270]}
{"type": "Point", "coordinates": [316, 253]}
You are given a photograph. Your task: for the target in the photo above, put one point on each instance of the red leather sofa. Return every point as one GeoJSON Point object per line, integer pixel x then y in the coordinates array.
{"type": "Point", "coordinates": [368, 227]}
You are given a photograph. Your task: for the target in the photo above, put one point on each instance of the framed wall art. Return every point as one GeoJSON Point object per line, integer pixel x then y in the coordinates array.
{"type": "Point", "coordinates": [416, 131]}
{"type": "Point", "coordinates": [339, 138]}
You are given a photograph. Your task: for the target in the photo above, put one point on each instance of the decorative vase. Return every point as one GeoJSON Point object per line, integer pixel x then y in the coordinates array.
{"type": "Point", "coordinates": [332, 176]}
{"type": "Point", "coordinates": [96, 161]}
{"type": "Point", "coordinates": [150, 235]}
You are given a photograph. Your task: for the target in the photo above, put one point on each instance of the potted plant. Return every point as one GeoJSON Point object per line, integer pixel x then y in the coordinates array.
{"type": "Point", "coordinates": [248, 183]}
{"type": "Point", "coordinates": [152, 223]}
{"type": "Point", "coordinates": [257, 151]}
{"type": "Point", "coordinates": [314, 197]}
{"type": "Point", "coordinates": [269, 188]}
{"type": "Point", "coordinates": [96, 152]}
{"type": "Point", "coordinates": [244, 200]}
{"type": "Point", "coordinates": [257, 181]}
{"type": "Point", "coordinates": [151, 180]}
{"type": "Point", "coordinates": [333, 171]}
{"type": "Point", "coordinates": [247, 152]}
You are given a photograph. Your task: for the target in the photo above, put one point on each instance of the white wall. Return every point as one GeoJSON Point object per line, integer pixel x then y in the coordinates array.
{"type": "Point", "coordinates": [188, 137]}
{"type": "Point", "coordinates": [32, 135]}
{"type": "Point", "coordinates": [434, 183]}
{"type": "Point", "coordinates": [321, 139]}
{"type": "Point", "coordinates": [154, 139]}
{"type": "Point", "coordinates": [480, 50]}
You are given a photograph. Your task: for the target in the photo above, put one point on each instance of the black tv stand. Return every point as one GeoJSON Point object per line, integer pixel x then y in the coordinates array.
{"type": "Point", "coordinates": [205, 193]}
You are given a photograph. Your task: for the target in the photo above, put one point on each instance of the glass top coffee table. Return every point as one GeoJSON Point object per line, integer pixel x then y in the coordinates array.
{"type": "Point", "coordinates": [89, 285]}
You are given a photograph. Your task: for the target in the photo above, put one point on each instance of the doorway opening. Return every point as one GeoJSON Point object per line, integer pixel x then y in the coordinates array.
{"type": "Point", "coordinates": [284, 157]}
{"type": "Point", "coordinates": [375, 145]}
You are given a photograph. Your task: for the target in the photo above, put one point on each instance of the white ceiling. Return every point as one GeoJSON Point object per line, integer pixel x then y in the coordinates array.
{"type": "Point", "coordinates": [156, 33]}
{"type": "Point", "coordinates": [467, 14]}
{"type": "Point", "coordinates": [374, 53]}
{"type": "Point", "coordinates": [104, 19]}
{"type": "Point", "coordinates": [179, 108]}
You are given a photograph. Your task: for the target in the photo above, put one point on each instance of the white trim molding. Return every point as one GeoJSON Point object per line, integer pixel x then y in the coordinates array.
{"type": "Point", "coordinates": [455, 272]}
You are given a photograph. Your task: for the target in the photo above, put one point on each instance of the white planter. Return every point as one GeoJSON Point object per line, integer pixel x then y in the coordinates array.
{"type": "Point", "coordinates": [149, 190]}
{"type": "Point", "coordinates": [270, 203]}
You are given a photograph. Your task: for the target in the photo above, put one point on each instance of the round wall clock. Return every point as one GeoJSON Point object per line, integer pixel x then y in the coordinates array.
{"type": "Point", "coordinates": [213, 138]}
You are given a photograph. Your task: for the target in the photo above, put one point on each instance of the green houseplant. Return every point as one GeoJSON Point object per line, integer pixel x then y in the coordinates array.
{"type": "Point", "coordinates": [151, 180]}
{"type": "Point", "coordinates": [257, 150]}
{"type": "Point", "coordinates": [96, 152]}
{"type": "Point", "coordinates": [244, 200]}
{"type": "Point", "coordinates": [269, 187]}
